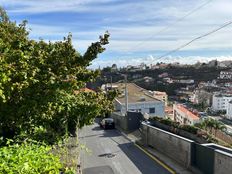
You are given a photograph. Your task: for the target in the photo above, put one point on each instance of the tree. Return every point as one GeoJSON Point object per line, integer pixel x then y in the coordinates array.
{"type": "Point", "coordinates": [209, 124]}
{"type": "Point", "coordinates": [38, 81]}
{"type": "Point", "coordinates": [219, 126]}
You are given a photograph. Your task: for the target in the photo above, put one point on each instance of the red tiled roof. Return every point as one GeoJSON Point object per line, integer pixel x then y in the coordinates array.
{"type": "Point", "coordinates": [187, 112]}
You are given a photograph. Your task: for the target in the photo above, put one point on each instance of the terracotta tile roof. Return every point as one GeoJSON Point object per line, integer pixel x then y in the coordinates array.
{"type": "Point", "coordinates": [187, 112]}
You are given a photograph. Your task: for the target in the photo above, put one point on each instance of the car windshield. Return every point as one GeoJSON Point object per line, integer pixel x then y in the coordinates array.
{"type": "Point", "coordinates": [109, 120]}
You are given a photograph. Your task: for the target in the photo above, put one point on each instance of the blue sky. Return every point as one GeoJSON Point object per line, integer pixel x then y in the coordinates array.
{"type": "Point", "coordinates": [134, 26]}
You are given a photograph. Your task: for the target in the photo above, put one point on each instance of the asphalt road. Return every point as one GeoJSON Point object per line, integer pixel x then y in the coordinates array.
{"type": "Point", "coordinates": [109, 152]}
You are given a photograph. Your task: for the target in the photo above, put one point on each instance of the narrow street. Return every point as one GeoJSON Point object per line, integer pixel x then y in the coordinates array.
{"type": "Point", "coordinates": [108, 151]}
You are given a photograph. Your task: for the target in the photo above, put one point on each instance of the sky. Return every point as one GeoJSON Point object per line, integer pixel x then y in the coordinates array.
{"type": "Point", "coordinates": [141, 30]}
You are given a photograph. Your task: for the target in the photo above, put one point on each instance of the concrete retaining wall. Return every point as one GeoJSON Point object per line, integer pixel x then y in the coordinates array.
{"type": "Point", "coordinates": [174, 146]}
{"type": "Point", "coordinates": [222, 162]}
{"type": "Point", "coordinates": [182, 150]}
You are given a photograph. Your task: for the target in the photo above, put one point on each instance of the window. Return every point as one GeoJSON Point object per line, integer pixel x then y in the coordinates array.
{"type": "Point", "coordinates": [151, 110]}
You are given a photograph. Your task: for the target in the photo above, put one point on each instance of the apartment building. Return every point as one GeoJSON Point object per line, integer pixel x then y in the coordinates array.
{"type": "Point", "coordinates": [220, 101]}
{"type": "Point", "coordinates": [184, 116]}
{"type": "Point", "coordinates": [229, 110]}
{"type": "Point", "coordinates": [225, 75]}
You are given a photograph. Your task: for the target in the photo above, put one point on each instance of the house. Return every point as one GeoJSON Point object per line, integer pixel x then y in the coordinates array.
{"type": "Point", "coordinates": [138, 99]}
{"type": "Point", "coordinates": [225, 75]}
{"type": "Point", "coordinates": [163, 75]}
{"type": "Point", "coordinates": [108, 86]}
{"type": "Point", "coordinates": [160, 96]}
{"type": "Point", "coordinates": [228, 84]}
{"type": "Point", "coordinates": [148, 79]}
{"type": "Point", "coordinates": [220, 101]}
{"type": "Point", "coordinates": [167, 80]}
{"type": "Point", "coordinates": [229, 111]}
{"type": "Point", "coordinates": [187, 81]}
{"type": "Point", "coordinates": [183, 115]}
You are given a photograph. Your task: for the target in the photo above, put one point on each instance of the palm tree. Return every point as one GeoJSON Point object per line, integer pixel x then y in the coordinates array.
{"type": "Point", "coordinates": [209, 124]}
{"type": "Point", "coordinates": [219, 126]}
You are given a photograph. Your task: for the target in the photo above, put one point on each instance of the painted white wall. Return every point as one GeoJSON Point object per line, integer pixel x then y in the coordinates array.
{"type": "Point", "coordinates": [143, 107]}
{"type": "Point", "coordinates": [229, 111]}
{"type": "Point", "coordinates": [220, 102]}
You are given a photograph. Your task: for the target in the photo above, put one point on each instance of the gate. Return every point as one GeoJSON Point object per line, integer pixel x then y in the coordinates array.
{"type": "Point", "coordinates": [203, 158]}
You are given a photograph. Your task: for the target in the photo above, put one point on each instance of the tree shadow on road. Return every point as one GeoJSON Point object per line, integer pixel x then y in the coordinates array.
{"type": "Point", "coordinates": [143, 162]}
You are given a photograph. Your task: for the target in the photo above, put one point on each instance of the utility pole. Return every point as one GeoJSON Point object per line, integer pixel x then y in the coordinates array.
{"type": "Point", "coordinates": [111, 82]}
{"type": "Point", "coordinates": [126, 94]}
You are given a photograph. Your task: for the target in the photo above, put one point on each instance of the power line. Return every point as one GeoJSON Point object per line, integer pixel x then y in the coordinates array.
{"type": "Point", "coordinates": [175, 22]}
{"type": "Point", "coordinates": [193, 40]}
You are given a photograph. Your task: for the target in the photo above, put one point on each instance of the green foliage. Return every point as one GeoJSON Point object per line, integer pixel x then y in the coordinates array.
{"type": "Point", "coordinates": [165, 121]}
{"type": "Point", "coordinates": [30, 159]}
{"type": "Point", "coordinates": [38, 81]}
{"type": "Point", "coordinates": [209, 124]}
{"type": "Point", "coordinates": [189, 128]}
{"type": "Point", "coordinates": [169, 122]}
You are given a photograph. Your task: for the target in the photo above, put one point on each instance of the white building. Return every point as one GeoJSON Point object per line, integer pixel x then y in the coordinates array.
{"type": "Point", "coordinates": [184, 116]}
{"type": "Point", "coordinates": [139, 100]}
{"type": "Point", "coordinates": [229, 110]}
{"type": "Point", "coordinates": [220, 101]}
{"type": "Point", "coordinates": [225, 75]}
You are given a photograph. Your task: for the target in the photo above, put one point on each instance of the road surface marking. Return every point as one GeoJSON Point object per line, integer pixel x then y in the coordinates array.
{"type": "Point", "coordinates": [156, 159]}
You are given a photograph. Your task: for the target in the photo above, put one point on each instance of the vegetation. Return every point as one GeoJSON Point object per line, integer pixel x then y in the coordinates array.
{"type": "Point", "coordinates": [38, 83]}
{"type": "Point", "coordinates": [189, 128]}
{"type": "Point", "coordinates": [198, 129]}
{"type": "Point", "coordinates": [210, 124]}
{"type": "Point", "coordinates": [30, 158]}
{"type": "Point", "coordinates": [41, 96]}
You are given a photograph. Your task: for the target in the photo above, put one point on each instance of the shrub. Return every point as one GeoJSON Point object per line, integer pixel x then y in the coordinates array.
{"type": "Point", "coordinates": [30, 159]}
{"type": "Point", "coordinates": [155, 119]}
{"type": "Point", "coordinates": [167, 122]}
{"type": "Point", "coordinates": [188, 128]}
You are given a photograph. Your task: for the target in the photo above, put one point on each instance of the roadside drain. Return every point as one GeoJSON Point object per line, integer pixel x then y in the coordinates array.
{"type": "Point", "coordinates": [107, 155]}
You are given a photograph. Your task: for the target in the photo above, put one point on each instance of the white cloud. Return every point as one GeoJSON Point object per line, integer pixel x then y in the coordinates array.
{"type": "Point", "coordinates": [134, 25]}
{"type": "Point", "coordinates": [153, 60]}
